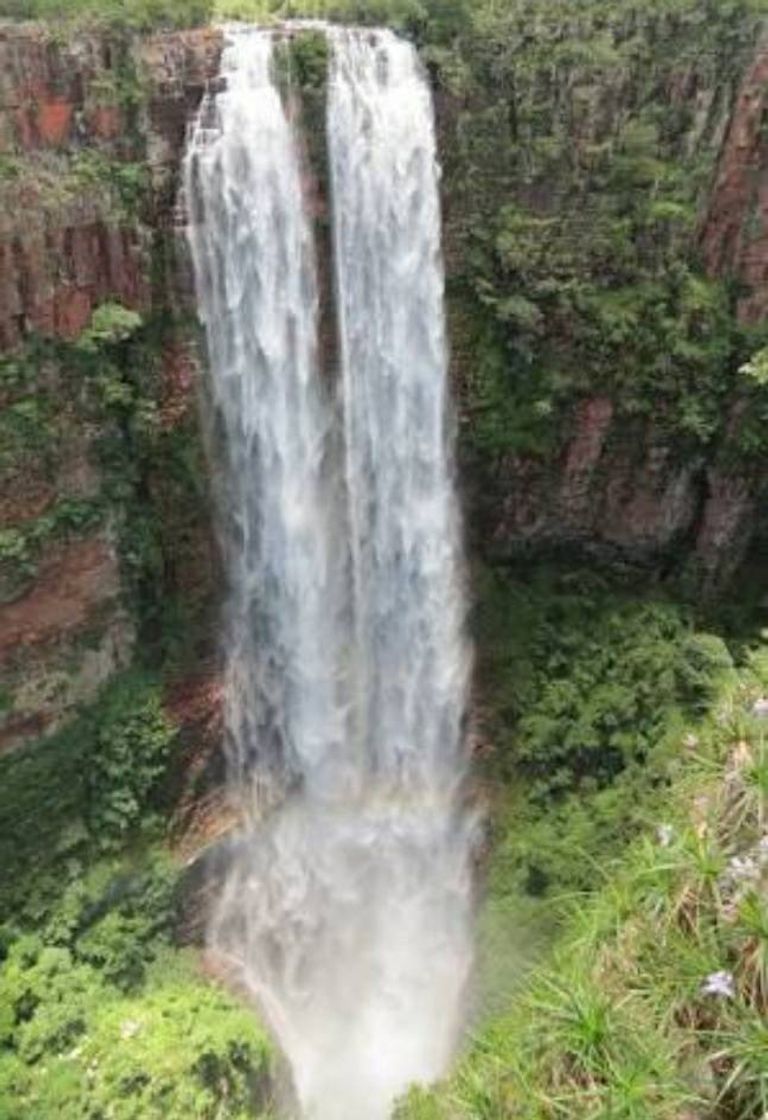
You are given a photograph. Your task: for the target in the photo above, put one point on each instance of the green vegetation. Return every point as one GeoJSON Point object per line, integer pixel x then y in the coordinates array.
{"type": "Point", "coordinates": [654, 1004]}
{"type": "Point", "coordinates": [132, 746]}
{"type": "Point", "coordinates": [126, 182]}
{"type": "Point", "coordinates": [117, 188]}
{"type": "Point", "coordinates": [175, 1049]}
{"type": "Point", "coordinates": [101, 1013]}
{"type": "Point", "coordinates": [584, 691]}
{"type": "Point", "coordinates": [20, 547]}
{"type": "Point", "coordinates": [77, 792]}
{"type": "Point", "coordinates": [303, 60]}
{"type": "Point", "coordinates": [433, 20]}
{"type": "Point", "coordinates": [25, 430]}
{"type": "Point", "coordinates": [110, 323]}
{"type": "Point", "coordinates": [137, 15]}
{"type": "Point", "coordinates": [155, 478]}
{"type": "Point", "coordinates": [102, 1016]}
{"type": "Point", "coordinates": [576, 170]}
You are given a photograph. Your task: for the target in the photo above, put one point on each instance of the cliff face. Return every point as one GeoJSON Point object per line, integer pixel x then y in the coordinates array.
{"type": "Point", "coordinates": [605, 195]}
{"type": "Point", "coordinates": [103, 511]}
{"type": "Point", "coordinates": [607, 262]}
{"type": "Point", "coordinates": [75, 121]}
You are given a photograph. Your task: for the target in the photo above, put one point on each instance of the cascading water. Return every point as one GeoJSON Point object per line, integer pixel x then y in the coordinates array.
{"type": "Point", "coordinates": [255, 273]}
{"type": "Point", "coordinates": [346, 908]}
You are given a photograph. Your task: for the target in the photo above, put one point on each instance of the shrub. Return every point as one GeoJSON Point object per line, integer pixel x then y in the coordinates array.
{"type": "Point", "coordinates": [585, 693]}
{"type": "Point", "coordinates": [129, 754]}
{"type": "Point", "coordinates": [110, 323]}
{"type": "Point", "coordinates": [77, 1047]}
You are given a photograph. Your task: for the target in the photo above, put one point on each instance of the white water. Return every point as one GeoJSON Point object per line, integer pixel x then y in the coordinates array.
{"type": "Point", "coordinates": [346, 911]}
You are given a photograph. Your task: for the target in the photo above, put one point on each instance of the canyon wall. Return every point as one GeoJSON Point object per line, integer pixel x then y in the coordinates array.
{"type": "Point", "coordinates": [606, 218]}
{"type": "Point", "coordinates": [103, 522]}
{"type": "Point", "coordinates": [606, 240]}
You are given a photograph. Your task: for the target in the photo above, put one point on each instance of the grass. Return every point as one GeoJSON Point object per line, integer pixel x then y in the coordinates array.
{"type": "Point", "coordinates": [654, 1005]}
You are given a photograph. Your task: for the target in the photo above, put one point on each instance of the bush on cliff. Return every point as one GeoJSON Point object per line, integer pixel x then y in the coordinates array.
{"type": "Point", "coordinates": [100, 1012]}
{"type": "Point", "coordinates": [584, 690]}
{"type": "Point", "coordinates": [101, 1016]}
{"type": "Point", "coordinates": [95, 785]}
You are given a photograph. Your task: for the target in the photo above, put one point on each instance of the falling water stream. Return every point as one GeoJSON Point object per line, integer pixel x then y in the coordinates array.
{"type": "Point", "coordinates": [346, 907]}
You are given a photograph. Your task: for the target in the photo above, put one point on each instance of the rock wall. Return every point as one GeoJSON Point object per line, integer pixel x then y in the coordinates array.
{"type": "Point", "coordinates": [613, 475]}
{"type": "Point", "coordinates": [91, 137]}
{"type": "Point", "coordinates": [70, 116]}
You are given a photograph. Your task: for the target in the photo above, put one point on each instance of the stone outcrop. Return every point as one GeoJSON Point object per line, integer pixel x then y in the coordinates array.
{"type": "Point", "coordinates": [64, 638]}
{"type": "Point", "coordinates": [618, 492]}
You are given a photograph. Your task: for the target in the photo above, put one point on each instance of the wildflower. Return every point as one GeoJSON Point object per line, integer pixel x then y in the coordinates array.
{"type": "Point", "coordinates": [664, 834]}
{"type": "Point", "coordinates": [691, 741]}
{"type": "Point", "coordinates": [760, 707]}
{"type": "Point", "coordinates": [129, 1028]}
{"type": "Point", "coordinates": [719, 984]}
{"type": "Point", "coordinates": [744, 869]}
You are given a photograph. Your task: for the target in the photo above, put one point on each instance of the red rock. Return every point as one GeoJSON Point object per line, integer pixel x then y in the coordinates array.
{"type": "Point", "coordinates": [721, 541]}
{"type": "Point", "coordinates": [180, 371]}
{"type": "Point", "coordinates": [72, 310]}
{"type": "Point", "coordinates": [734, 232]}
{"type": "Point", "coordinates": [196, 706]}
{"type": "Point", "coordinates": [23, 727]}
{"type": "Point", "coordinates": [105, 121]}
{"type": "Point", "coordinates": [25, 501]}
{"type": "Point", "coordinates": [75, 580]}
{"type": "Point", "coordinates": [54, 122]}
{"type": "Point", "coordinates": [592, 420]}
{"type": "Point", "coordinates": [26, 133]}
{"type": "Point", "coordinates": [60, 256]}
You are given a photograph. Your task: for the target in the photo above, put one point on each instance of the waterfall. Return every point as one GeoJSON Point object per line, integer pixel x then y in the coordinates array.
{"type": "Point", "coordinates": [411, 664]}
{"type": "Point", "coordinates": [255, 273]}
{"type": "Point", "coordinates": [345, 909]}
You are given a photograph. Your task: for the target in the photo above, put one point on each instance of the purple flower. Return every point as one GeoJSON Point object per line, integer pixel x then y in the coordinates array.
{"type": "Point", "coordinates": [719, 984]}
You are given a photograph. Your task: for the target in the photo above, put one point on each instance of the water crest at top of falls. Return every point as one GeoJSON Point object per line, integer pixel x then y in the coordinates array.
{"type": "Point", "coordinates": [346, 906]}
